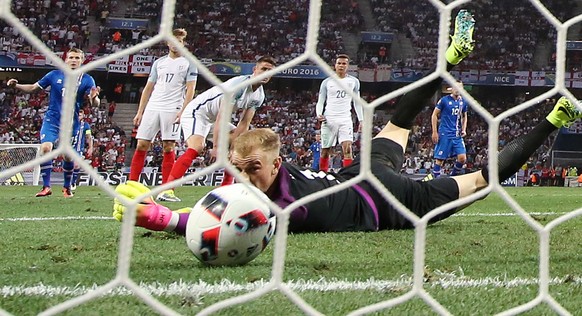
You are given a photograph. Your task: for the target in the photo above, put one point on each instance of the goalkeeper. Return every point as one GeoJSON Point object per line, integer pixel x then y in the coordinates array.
{"type": "Point", "coordinates": [362, 207]}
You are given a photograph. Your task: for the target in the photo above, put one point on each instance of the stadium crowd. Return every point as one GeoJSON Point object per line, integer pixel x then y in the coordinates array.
{"type": "Point", "coordinates": [290, 113]}
{"type": "Point", "coordinates": [230, 31]}
{"type": "Point", "coordinates": [227, 30]}
{"type": "Point", "coordinates": [509, 31]}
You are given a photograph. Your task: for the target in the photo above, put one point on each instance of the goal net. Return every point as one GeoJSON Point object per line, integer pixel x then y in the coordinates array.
{"type": "Point", "coordinates": [12, 155]}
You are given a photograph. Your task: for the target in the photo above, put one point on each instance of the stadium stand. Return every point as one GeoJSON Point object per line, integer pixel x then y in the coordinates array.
{"type": "Point", "coordinates": [224, 31]}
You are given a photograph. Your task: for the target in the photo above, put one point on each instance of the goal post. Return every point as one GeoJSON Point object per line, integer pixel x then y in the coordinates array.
{"type": "Point", "coordinates": [12, 155]}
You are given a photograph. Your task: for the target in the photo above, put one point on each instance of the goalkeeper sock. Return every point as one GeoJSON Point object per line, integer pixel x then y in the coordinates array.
{"type": "Point", "coordinates": [137, 163]}
{"type": "Point", "coordinates": [323, 164]}
{"type": "Point", "coordinates": [167, 165]}
{"type": "Point", "coordinates": [517, 152]}
{"type": "Point", "coordinates": [413, 102]}
{"type": "Point", "coordinates": [68, 167]}
{"type": "Point", "coordinates": [45, 171]}
{"type": "Point", "coordinates": [182, 164]}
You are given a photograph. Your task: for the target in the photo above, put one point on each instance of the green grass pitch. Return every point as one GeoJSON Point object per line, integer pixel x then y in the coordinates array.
{"type": "Point", "coordinates": [482, 261]}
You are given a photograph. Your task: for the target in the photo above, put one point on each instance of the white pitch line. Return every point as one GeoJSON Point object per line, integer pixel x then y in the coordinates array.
{"type": "Point", "coordinates": [511, 214]}
{"type": "Point", "coordinates": [58, 218]}
{"type": "Point", "coordinates": [67, 218]}
{"type": "Point", "coordinates": [182, 288]}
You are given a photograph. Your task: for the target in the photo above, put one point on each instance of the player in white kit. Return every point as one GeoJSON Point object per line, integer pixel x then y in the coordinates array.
{"type": "Point", "coordinates": [334, 112]}
{"type": "Point", "coordinates": [170, 87]}
{"type": "Point", "coordinates": [201, 114]}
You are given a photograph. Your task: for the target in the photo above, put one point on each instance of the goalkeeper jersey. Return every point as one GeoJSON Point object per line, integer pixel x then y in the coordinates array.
{"type": "Point", "coordinates": [347, 210]}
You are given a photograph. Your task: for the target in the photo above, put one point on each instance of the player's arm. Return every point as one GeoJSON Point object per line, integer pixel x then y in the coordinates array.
{"type": "Point", "coordinates": [321, 101]}
{"type": "Point", "coordinates": [236, 96]}
{"type": "Point", "coordinates": [28, 88]}
{"type": "Point", "coordinates": [434, 119]}
{"type": "Point", "coordinates": [464, 130]}
{"type": "Point", "coordinates": [190, 90]}
{"type": "Point", "coordinates": [358, 105]}
{"type": "Point", "coordinates": [244, 123]}
{"type": "Point", "coordinates": [215, 137]}
{"type": "Point", "coordinates": [143, 101]}
{"type": "Point", "coordinates": [89, 139]}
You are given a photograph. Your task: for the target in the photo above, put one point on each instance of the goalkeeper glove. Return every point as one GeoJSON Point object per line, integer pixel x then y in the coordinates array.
{"type": "Point", "coordinates": [148, 214]}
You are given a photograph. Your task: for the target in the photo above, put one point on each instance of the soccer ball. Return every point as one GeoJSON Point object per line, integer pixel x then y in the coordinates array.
{"type": "Point", "coordinates": [230, 225]}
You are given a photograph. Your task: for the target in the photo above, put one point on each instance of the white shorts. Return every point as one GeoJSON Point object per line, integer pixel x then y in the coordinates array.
{"type": "Point", "coordinates": [153, 121]}
{"type": "Point", "coordinates": [334, 132]}
{"type": "Point", "coordinates": [197, 122]}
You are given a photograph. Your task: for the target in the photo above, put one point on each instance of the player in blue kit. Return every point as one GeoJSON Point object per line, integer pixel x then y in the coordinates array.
{"type": "Point", "coordinates": [361, 207]}
{"type": "Point", "coordinates": [448, 138]}
{"type": "Point", "coordinates": [315, 149]}
{"type": "Point", "coordinates": [49, 132]}
{"type": "Point", "coordinates": [84, 136]}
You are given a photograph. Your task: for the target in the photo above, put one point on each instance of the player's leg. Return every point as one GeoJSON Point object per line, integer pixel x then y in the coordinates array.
{"type": "Point", "coordinates": [346, 139]}
{"type": "Point", "coordinates": [170, 135]}
{"type": "Point", "coordinates": [412, 103]}
{"type": "Point", "coordinates": [49, 134]}
{"type": "Point", "coordinates": [147, 130]}
{"type": "Point", "coordinates": [436, 170]}
{"type": "Point", "coordinates": [195, 146]}
{"type": "Point", "coordinates": [68, 166]}
{"type": "Point", "coordinates": [168, 158]}
{"type": "Point", "coordinates": [328, 140]}
{"type": "Point", "coordinates": [79, 148]}
{"type": "Point", "coordinates": [138, 159]}
{"type": "Point", "coordinates": [517, 152]}
{"type": "Point", "coordinates": [459, 163]}
{"type": "Point", "coordinates": [46, 169]}
{"type": "Point", "coordinates": [324, 159]}
{"type": "Point", "coordinates": [195, 127]}
{"type": "Point", "coordinates": [75, 178]}
{"type": "Point", "coordinates": [460, 151]}
{"type": "Point", "coordinates": [442, 151]}
{"type": "Point", "coordinates": [315, 163]}
{"type": "Point", "coordinates": [347, 153]}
